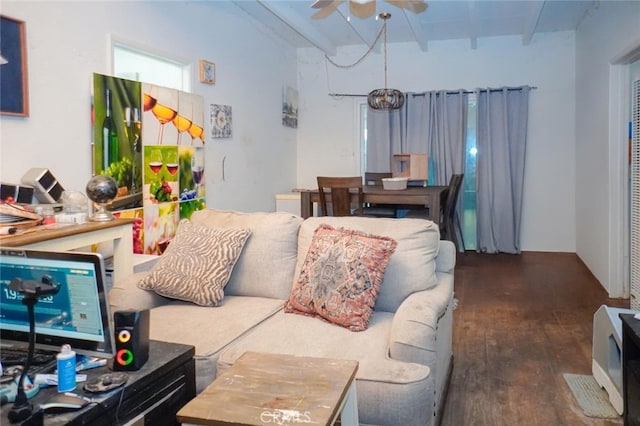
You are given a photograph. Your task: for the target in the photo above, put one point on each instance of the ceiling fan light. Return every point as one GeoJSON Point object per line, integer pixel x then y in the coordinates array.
{"type": "Point", "coordinates": [385, 99]}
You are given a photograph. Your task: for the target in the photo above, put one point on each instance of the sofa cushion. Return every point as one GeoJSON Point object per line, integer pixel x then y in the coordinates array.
{"type": "Point", "coordinates": [197, 264]}
{"type": "Point", "coordinates": [410, 269]}
{"type": "Point", "coordinates": [209, 329]}
{"type": "Point", "coordinates": [268, 260]}
{"type": "Point", "coordinates": [389, 391]}
{"type": "Point", "coordinates": [341, 275]}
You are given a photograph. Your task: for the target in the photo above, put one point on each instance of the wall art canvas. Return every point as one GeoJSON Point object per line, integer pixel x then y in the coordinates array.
{"type": "Point", "coordinates": [221, 121]}
{"type": "Point", "coordinates": [289, 107]}
{"type": "Point", "coordinates": [151, 140]}
{"type": "Point", "coordinates": [116, 137]}
{"type": "Point", "coordinates": [13, 68]}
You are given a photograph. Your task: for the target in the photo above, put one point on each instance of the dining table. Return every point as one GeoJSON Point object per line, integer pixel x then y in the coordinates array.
{"type": "Point", "coordinates": [425, 196]}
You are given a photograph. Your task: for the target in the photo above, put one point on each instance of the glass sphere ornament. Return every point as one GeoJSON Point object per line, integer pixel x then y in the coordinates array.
{"type": "Point", "coordinates": [102, 190]}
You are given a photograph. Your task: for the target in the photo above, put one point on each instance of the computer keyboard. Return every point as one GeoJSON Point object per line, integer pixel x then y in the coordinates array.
{"type": "Point", "coordinates": [43, 361]}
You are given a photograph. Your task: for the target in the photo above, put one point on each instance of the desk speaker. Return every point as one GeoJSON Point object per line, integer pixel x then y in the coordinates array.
{"type": "Point", "coordinates": [132, 339]}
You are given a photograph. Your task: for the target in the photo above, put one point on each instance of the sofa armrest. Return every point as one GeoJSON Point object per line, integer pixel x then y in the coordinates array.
{"type": "Point", "coordinates": [125, 294]}
{"type": "Point", "coordinates": [415, 324]}
{"type": "Point", "coordinates": [446, 259]}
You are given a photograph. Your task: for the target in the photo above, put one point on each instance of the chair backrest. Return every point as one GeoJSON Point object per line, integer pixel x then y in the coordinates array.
{"type": "Point", "coordinates": [375, 178]}
{"type": "Point", "coordinates": [455, 183]}
{"type": "Point", "coordinates": [340, 192]}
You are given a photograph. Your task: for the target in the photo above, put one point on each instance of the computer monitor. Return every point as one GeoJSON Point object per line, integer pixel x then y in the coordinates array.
{"type": "Point", "coordinates": [78, 314]}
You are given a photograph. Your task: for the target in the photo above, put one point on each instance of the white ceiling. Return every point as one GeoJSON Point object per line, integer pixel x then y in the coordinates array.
{"type": "Point", "coordinates": [443, 20]}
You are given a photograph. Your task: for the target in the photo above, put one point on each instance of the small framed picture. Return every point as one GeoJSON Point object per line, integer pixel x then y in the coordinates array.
{"type": "Point", "coordinates": [207, 72]}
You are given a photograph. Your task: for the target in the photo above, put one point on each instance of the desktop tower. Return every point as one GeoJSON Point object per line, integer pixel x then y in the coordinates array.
{"type": "Point", "coordinates": [132, 339]}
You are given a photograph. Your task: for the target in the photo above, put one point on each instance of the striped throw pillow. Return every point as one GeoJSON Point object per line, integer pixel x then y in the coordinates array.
{"type": "Point", "coordinates": [197, 264]}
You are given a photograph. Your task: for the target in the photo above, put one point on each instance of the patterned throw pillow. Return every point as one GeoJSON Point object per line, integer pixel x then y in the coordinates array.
{"type": "Point", "coordinates": [341, 276]}
{"type": "Point", "coordinates": [197, 264]}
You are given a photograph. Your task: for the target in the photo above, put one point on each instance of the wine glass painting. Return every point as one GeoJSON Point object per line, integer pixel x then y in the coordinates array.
{"type": "Point", "coordinates": [116, 136]}
{"type": "Point", "coordinates": [150, 139]}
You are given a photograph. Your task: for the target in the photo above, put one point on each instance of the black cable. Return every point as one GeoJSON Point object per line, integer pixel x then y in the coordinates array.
{"type": "Point", "coordinates": [21, 408]}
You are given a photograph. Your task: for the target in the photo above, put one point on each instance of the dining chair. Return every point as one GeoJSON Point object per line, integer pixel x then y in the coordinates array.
{"type": "Point", "coordinates": [448, 213]}
{"type": "Point", "coordinates": [374, 210]}
{"type": "Point", "coordinates": [449, 217]}
{"type": "Point", "coordinates": [339, 188]}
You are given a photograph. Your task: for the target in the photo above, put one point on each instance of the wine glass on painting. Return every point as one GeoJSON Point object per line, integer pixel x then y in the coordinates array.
{"type": "Point", "coordinates": [182, 121]}
{"type": "Point", "coordinates": [165, 108]}
{"type": "Point", "coordinates": [197, 169]}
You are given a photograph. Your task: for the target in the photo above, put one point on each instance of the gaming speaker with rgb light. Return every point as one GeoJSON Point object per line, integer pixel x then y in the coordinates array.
{"type": "Point", "coordinates": [131, 330]}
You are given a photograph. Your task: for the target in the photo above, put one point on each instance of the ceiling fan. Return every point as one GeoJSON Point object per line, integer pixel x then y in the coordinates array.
{"type": "Point", "coordinates": [364, 8]}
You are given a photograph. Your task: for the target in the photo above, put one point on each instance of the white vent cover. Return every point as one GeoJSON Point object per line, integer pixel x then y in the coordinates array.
{"type": "Point", "coordinates": [635, 197]}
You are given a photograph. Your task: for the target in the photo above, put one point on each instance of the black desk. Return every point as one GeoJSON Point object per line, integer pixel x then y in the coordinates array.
{"type": "Point", "coordinates": [153, 395]}
{"type": "Point", "coordinates": [631, 369]}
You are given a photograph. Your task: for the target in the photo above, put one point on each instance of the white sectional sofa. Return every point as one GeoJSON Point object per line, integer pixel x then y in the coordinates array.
{"type": "Point", "coordinates": [405, 354]}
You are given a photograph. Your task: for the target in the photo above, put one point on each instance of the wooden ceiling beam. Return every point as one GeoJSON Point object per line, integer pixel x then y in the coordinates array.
{"type": "Point", "coordinates": [531, 21]}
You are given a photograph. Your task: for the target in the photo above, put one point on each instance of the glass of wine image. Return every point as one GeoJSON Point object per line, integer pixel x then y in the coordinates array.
{"type": "Point", "coordinates": [155, 162]}
{"type": "Point", "coordinates": [197, 169]}
{"type": "Point", "coordinates": [182, 121]}
{"type": "Point", "coordinates": [165, 108]}
{"type": "Point", "coordinates": [171, 158]}
{"type": "Point", "coordinates": [196, 131]}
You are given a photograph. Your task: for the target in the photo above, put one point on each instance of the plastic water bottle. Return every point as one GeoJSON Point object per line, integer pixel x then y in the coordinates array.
{"type": "Point", "coordinates": [66, 361]}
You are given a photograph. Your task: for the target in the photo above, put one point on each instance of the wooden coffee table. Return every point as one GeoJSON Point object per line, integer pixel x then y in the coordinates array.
{"type": "Point", "coordinates": [263, 388]}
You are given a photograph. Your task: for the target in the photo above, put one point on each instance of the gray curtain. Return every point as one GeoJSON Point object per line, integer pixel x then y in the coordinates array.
{"type": "Point", "coordinates": [429, 122]}
{"type": "Point", "coordinates": [501, 142]}
{"type": "Point", "coordinates": [384, 138]}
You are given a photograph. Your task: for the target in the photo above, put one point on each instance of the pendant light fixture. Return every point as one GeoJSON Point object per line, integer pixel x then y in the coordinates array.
{"type": "Point", "coordinates": [385, 99]}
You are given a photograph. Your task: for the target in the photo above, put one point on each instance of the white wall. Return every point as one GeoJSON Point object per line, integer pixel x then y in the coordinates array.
{"type": "Point", "coordinates": [606, 33]}
{"type": "Point", "coordinates": [328, 130]}
{"type": "Point", "coordinates": [68, 41]}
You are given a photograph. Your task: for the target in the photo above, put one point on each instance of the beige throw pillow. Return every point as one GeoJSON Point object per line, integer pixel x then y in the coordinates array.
{"type": "Point", "coordinates": [197, 264]}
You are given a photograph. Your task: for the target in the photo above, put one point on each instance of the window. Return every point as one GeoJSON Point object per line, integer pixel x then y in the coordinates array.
{"type": "Point", "coordinates": [139, 64]}
{"type": "Point", "coordinates": [468, 196]}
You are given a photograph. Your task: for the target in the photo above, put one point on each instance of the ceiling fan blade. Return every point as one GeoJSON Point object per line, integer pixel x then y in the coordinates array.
{"type": "Point", "coordinates": [362, 10]}
{"type": "Point", "coordinates": [320, 4]}
{"type": "Point", "coordinates": [327, 10]}
{"type": "Point", "coordinates": [416, 6]}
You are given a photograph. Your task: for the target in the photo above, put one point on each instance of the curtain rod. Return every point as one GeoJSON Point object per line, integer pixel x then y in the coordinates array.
{"type": "Point", "coordinates": [449, 92]}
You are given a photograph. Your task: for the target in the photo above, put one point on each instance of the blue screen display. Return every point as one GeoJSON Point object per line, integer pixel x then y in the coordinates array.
{"type": "Point", "coordinates": [77, 314]}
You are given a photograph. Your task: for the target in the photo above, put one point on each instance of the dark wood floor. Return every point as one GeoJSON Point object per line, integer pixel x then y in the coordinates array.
{"type": "Point", "coordinates": [522, 321]}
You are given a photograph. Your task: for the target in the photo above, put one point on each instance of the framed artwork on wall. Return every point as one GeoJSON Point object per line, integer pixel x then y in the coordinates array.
{"type": "Point", "coordinates": [207, 72]}
{"type": "Point", "coordinates": [221, 119]}
{"type": "Point", "coordinates": [13, 68]}
{"type": "Point", "coordinates": [289, 107]}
